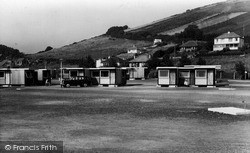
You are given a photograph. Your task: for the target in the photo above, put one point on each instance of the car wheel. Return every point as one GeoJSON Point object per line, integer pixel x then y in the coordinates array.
{"type": "Point", "coordinates": [67, 85]}
{"type": "Point", "coordinates": [85, 84]}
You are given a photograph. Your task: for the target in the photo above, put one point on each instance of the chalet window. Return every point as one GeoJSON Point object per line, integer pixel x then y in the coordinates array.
{"type": "Point", "coordinates": [66, 71]}
{"type": "Point", "coordinates": [104, 73]}
{"type": "Point", "coordinates": [201, 73]}
{"type": "Point", "coordinates": [164, 73]}
{"type": "Point", "coordinates": [95, 74]}
{"type": "Point", "coordinates": [1, 74]}
{"type": "Point", "coordinates": [236, 39]}
{"type": "Point", "coordinates": [230, 39]}
{"type": "Point", "coordinates": [184, 74]}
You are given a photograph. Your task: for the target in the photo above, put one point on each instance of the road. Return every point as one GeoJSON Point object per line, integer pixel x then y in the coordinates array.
{"type": "Point", "coordinates": [136, 118]}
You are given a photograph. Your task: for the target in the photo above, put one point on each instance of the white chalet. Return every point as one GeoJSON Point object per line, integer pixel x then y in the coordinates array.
{"type": "Point", "coordinates": [229, 40]}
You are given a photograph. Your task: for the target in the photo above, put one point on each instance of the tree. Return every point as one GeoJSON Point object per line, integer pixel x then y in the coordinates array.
{"type": "Point", "coordinates": [48, 48]}
{"type": "Point", "coordinates": [117, 31]}
{"type": "Point", "coordinates": [184, 60]}
{"type": "Point", "coordinates": [153, 63]}
{"type": "Point", "coordinates": [87, 62]}
{"type": "Point", "coordinates": [167, 61]}
{"type": "Point", "coordinates": [240, 69]}
{"type": "Point", "coordinates": [192, 32]}
{"type": "Point", "coordinates": [111, 62]}
{"type": "Point", "coordinates": [201, 61]}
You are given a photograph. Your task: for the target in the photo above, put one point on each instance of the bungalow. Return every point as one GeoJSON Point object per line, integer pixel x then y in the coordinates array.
{"type": "Point", "coordinates": [133, 50]}
{"type": "Point", "coordinates": [111, 62]}
{"type": "Point", "coordinates": [192, 46]}
{"type": "Point", "coordinates": [229, 40]}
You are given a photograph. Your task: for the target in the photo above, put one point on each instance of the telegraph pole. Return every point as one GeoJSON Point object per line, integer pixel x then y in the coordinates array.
{"type": "Point", "coordinates": [61, 66]}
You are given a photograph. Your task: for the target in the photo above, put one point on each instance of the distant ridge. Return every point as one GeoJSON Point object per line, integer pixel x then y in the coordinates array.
{"type": "Point", "coordinates": [214, 18]}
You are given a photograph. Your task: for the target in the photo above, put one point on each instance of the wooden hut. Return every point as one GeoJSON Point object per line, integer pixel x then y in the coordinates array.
{"type": "Point", "coordinates": [110, 76]}
{"type": "Point", "coordinates": [167, 76]}
{"type": "Point", "coordinates": [16, 77]}
{"type": "Point", "coordinates": [189, 75]}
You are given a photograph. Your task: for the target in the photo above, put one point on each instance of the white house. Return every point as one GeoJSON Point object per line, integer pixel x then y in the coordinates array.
{"type": "Point", "coordinates": [229, 40]}
{"type": "Point", "coordinates": [133, 49]}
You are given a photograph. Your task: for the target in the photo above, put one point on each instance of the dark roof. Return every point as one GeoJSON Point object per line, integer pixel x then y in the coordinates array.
{"type": "Point", "coordinates": [140, 59]}
{"type": "Point", "coordinates": [228, 35]}
{"type": "Point", "coordinates": [126, 56]}
{"type": "Point", "coordinates": [193, 43]}
{"type": "Point", "coordinates": [4, 63]}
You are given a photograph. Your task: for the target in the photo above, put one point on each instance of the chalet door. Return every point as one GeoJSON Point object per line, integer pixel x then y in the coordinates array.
{"type": "Point", "coordinates": [210, 79]}
{"type": "Point", "coordinates": [112, 77]}
{"type": "Point", "coordinates": [105, 77]}
{"type": "Point", "coordinates": [172, 78]}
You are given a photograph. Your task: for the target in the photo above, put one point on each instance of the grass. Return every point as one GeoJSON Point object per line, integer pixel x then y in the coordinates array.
{"type": "Point", "coordinates": [126, 119]}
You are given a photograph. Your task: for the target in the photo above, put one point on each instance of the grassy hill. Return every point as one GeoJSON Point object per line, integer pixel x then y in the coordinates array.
{"type": "Point", "coordinates": [215, 18]}
{"type": "Point", "coordinates": [97, 47]}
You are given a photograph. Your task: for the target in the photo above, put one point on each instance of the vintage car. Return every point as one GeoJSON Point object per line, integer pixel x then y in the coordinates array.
{"type": "Point", "coordinates": [82, 81]}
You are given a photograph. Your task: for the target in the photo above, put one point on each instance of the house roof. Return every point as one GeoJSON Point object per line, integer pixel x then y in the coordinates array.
{"type": "Point", "coordinates": [140, 59]}
{"type": "Point", "coordinates": [228, 35]}
{"type": "Point", "coordinates": [193, 43]}
{"type": "Point", "coordinates": [132, 48]}
{"type": "Point", "coordinates": [4, 63]}
{"type": "Point", "coordinates": [126, 56]}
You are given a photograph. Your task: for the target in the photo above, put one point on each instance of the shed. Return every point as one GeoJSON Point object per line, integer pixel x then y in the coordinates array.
{"type": "Point", "coordinates": [5, 77]}
{"type": "Point", "coordinates": [167, 76]}
{"type": "Point", "coordinates": [186, 76]}
{"type": "Point", "coordinates": [16, 77]}
{"type": "Point", "coordinates": [205, 75]}
{"type": "Point", "coordinates": [109, 76]}
{"type": "Point", "coordinates": [43, 75]}
{"type": "Point", "coordinates": [189, 75]}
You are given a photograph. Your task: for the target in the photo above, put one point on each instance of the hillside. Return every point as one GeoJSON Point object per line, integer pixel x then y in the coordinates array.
{"type": "Point", "coordinates": [215, 18]}
{"type": "Point", "coordinates": [97, 47]}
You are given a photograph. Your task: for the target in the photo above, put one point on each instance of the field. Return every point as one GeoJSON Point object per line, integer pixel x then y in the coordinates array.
{"type": "Point", "coordinates": [137, 118]}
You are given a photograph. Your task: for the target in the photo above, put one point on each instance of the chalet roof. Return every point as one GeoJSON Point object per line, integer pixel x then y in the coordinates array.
{"type": "Point", "coordinates": [228, 35]}
{"type": "Point", "coordinates": [193, 43]}
{"type": "Point", "coordinates": [140, 59]}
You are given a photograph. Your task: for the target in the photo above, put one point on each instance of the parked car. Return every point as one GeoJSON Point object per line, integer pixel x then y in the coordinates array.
{"type": "Point", "coordinates": [82, 81]}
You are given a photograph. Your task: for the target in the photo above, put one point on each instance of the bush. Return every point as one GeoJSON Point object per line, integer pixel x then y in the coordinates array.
{"type": "Point", "coordinates": [240, 69]}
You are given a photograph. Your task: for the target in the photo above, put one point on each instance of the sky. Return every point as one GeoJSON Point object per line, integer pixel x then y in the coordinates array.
{"type": "Point", "coordinates": [32, 25]}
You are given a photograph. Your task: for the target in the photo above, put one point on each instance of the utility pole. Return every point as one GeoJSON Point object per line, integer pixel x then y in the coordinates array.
{"type": "Point", "coordinates": [61, 67]}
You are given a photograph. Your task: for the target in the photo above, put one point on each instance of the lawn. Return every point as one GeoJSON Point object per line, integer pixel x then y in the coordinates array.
{"type": "Point", "coordinates": [136, 118]}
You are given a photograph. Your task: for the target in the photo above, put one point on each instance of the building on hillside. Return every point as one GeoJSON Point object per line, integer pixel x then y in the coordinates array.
{"type": "Point", "coordinates": [133, 49]}
{"type": "Point", "coordinates": [157, 41]}
{"type": "Point", "coordinates": [111, 62]}
{"type": "Point", "coordinates": [138, 67]}
{"type": "Point", "coordinates": [229, 40]}
{"type": "Point", "coordinates": [192, 46]}
{"type": "Point", "coordinates": [126, 56]}
{"type": "Point", "coordinates": [99, 62]}
{"type": "Point", "coordinates": [6, 64]}
{"type": "Point", "coordinates": [21, 62]}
